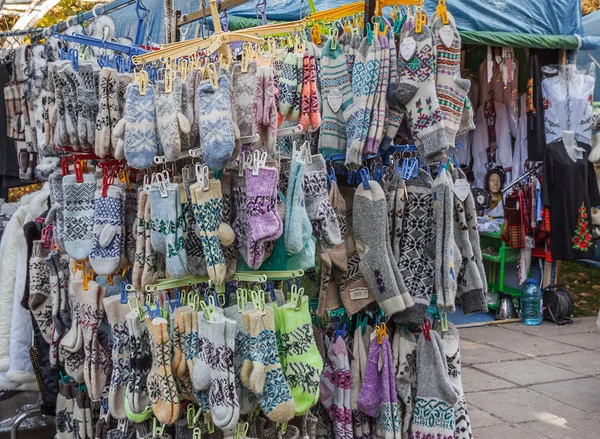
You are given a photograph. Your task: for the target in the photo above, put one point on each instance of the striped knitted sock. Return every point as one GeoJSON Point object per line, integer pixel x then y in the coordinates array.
{"type": "Point", "coordinates": [314, 112]}
{"type": "Point", "coordinates": [305, 94]}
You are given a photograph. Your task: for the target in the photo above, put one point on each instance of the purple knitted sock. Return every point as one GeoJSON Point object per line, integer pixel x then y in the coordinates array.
{"type": "Point", "coordinates": [265, 223]}
{"type": "Point", "coordinates": [372, 394]}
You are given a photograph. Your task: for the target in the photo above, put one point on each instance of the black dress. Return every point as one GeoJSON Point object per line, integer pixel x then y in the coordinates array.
{"type": "Point", "coordinates": [570, 190]}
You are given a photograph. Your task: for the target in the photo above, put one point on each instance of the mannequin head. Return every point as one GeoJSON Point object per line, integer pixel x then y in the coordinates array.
{"type": "Point", "coordinates": [495, 181]}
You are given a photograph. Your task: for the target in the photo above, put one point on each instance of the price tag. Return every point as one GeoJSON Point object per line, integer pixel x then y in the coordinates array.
{"type": "Point", "coordinates": [462, 188]}
{"type": "Point", "coordinates": [447, 35]}
{"type": "Point", "coordinates": [408, 47]}
{"type": "Point", "coordinates": [334, 98]}
{"type": "Point", "coordinates": [361, 293]}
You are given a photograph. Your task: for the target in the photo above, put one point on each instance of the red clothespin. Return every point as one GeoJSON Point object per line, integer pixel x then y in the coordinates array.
{"type": "Point", "coordinates": [107, 181]}
{"type": "Point", "coordinates": [427, 329]}
{"type": "Point", "coordinates": [64, 165]}
{"type": "Point", "coordinates": [78, 168]}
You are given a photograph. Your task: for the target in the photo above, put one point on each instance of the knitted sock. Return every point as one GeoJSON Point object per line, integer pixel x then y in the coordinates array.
{"type": "Point", "coordinates": [193, 245]}
{"type": "Point", "coordinates": [71, 79]}
{"type": "Point", "coordinates": [404, 348]}
{"type": "Point", "coordinates": [305, 94]}
{"type": "Point", "coordinates": [179, 363]}
{"type": "Point", "coordinates": [64, 412]}
{"type": "Point", "coordinates": [241, 225]}
{"type": "Point", "coordinates": [264, 109]}
{"type": "Point", "coordinates": [450, 88]}
{"type": "Point", "coordinates": [466, 122]}
{"type": "Point", "coordinates": [303, 363]}
{"type": "Point", "coordinates": [314, 110]}
{"type": "Point", "coordinates": [229, 251]}
{"type": "Point", "coordinates": [369, 230]}
{"type": "Point", "coordinates": [434, 391]}
{"type": "Point", "coordinates": [358, 367]}
{"type": "Point", "coordinates": [335, 389]}
{"type": "Point", "coordinates": [140, 361]}
{"type": "Point", "coordinates": [294, 116]}
{"type": "Point", "coordinates": [87, 96]}
{"type": "Point", "coordinates": [116, 312]}
{"type": "Point", "coordinates": [117, 111]}
{"type": "Point", "coordinates": [297, 225]}
{"type": "Point", "coordinates": [214, 371]}
{"type": "Point", "coordinates": [49, 105]}
{"type": "Point", "coordinates": [190, 321]}
{"type": "Point", "coordinates": [193, 80]}
{"type": "Point", "coordinates": [82, 416]}
{"type": "Point", "coordinates": [130, 225]}
{"type": "Point", "coordinates": [419, 251]}
{"type": "Point", "coordinates": [137, 128]}
{"type": "Point", "coordinates": [79, 215]}
{"type": "Point", "coordinates": [265, 223]}
{"type": "Point", "coordinates": [335, 79]}
{"type": "Point", "coordinates": [106, 252]}
{"type": "Point", "coordinates": [140, 242]}
{"type": "Point", "coordinates": [324, 222]}
{"type": "Point", "coordinates": [55, 214]}
{"type": "Point", "coordinates": [61, 308]}
{"type": "Point", "coordinates": [288, 84]}
{"type": "Point", "coordinates": [306, 425]}
{"type": "Point", "coordinates": [171, 123]}
{"type": "Point", "coordinates": [365, 76]}
{"type": "Point", "coordinates": [244, 86]}
{"type": "Point", "coordinates": [416, 91]}
{"type": "Point", "coordinates": [40, 302]}
{"type": "Point", "coordinates": [213, 109]}
{"type": "Point", "coordinates": [208, 206]}
{"type": "Point", "coordinates": [376, 118]}
{"type": "Point", "coordinates": [355, 42]}
{"type": "Point", "coordinates": [113, 107]}
{"type": "Point", "coordinates": [89, 310]}
{"type": "Point", "coordinates": [103, 121]}
{"type": "Point", "coordinates": [161, 383]}
{"type": "Point", "coordinates": [72, 353]}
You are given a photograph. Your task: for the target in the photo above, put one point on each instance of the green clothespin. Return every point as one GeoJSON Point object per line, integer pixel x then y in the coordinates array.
{"type": "Point", "coordinates": [444, 321]}
{"type": "Point", "coordinates": [191, 414]}
{"type": "Point", "coordinates": [361, 322]}
{"type": "Point", "coordinates": [369, 32]}
{"type": "Point", "coordinates": [241, 430]}
{"type": "Point", "coordinates": [242, 299]}
{"type": "Point", "coordinates": [209, 424]}
{"type": "Point", "coordinates": [135, 306]}
{"type": "Point", "coordinates": [197, 433]}
{"type": "Point", "coordinates": [157, 428]}
{"type": "Point", "coordinates": [64, 378]}
{"type": "Point", "coordinates": [282, 426]}
{"type": "Point", "coordinates": [258, 300]}
{"type": "Point", "coordinates": [208, 308]}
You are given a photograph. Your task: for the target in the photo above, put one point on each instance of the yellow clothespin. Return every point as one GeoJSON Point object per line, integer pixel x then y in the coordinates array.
{"type": "Point", "coordinates": [110, 279]}
{"type": "Point", "coordinates": [381, 332]}
{"type": "Point", "coordinates": [190, 415]}
{"type": "Point", "coordinates": [420, 21]}
{"type": "Point", "coordinates": [213, 75]}
{"type": "Point", "coordinates": [245, 59]}
{"type": "Point", "coordinates": [315, 33]}
{"type": "Point", "coordinates": [87, 277]}
{"type": "Point", "coordinates": [168, 81]}
{"type": "Point", "coordinates": [183, 67]}
{"type": "Point", "coordinates": [143, 82]}
{"type": "Point", "coordinates": [441, 11]}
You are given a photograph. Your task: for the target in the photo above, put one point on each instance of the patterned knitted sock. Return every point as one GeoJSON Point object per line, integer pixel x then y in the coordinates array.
{"type": "Point", "coordinates": [71, 80]}
{"type": "Point", "coordinates": [358, 366]}
{"type": "Point", "coordinates": [416, 91]}
{"type": "Point", "coordinates": [140, 361]}
{"type": "Point", "coordinates": [103, 121]}
{"type": "Point", "coordinates": [208, 206]}
{"type": "Point", "coordinates": [130, 226]}
{"type": "Point", "coordinates": [265, 223]}
{"type": "Point", "coordinates": [335, 81]}
{"type": "Point", "coordinates": [171, 123]}
{"type": "Point", "coordinates": [303, 363]}
{"type": "Point", "coordinates": [89, 310]}
{"type": "Point", "coordinates": [244, 85]}
{"type": "Point", "coordinates": [193, 80]}
{"type": "Point", "coordinates": [294, 116]}
{"type": "Point", "coordinates": [82, 415]}
{"type": "Point", "coordinates": [106, 252]}
{"type": "Point", "coordinates": [466, 122]}
{"type": "Point", "coordinates": [324, 222]}
{"type": "Point", "coordinates": [434, 391]}
{"type": "Point", "coordinates": [116, 312]}
{"type": "Point", "coordinates": [365, 75]}
{"type": "Point", "coordinates": [55, 214]}
{"type": "Point", "coordinates": [229, 251]}
{"type": "Point", "coordinates": [190, 347]}
{"type": "Point", "coordinates": [61, 309]}
{"type": "Point", "coordinates": [137, 128]}
{"type": "Point", "coordinates": [193, 245]}
{"type": "Point", "coordinates": [64, 412]}
{"type": "Point", "coordinates": [72, 353]}
{"type": "Point", "coordinates": [264, 109]}
{"type": "Point", "coordinates": [404, 348]}
{"type": "Point", "coordinates": [451, 89]}
{"type": "Point", "coordinates": [376, 118]}
{"type": "Point", "coordinates": [241, 226]}
{"type": "Point", "coordinates": [297, 225]}
{"type": "Point", "coordinates": [140, 242]}
{"type": "Point", "coordinates": [161, 383]}
{"type": "Point", "coordinates": [288, 84]}
{"type": "Point", "coordinates": [305, 94]}
{"type": "Point", "coordinates": [335, 389]}
{"type": "Point", "coordinates": [213, 109]}
{"type": "Point", "coordinates": [179, 363]}
{"type": "Point", "coordinates": [40, 302]}
{"type": "Point", "coordinates": [375, 264]}
{"type": "Point", "coordinates": [87, 96]}
{"type": "Point", "coordinates": [49, 105]}
{"type": "Point", "coordinates": [79, 215]}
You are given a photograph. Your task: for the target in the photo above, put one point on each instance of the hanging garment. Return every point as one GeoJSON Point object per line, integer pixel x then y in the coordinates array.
{"type": "Point", "coordinates": [569, 190]}
{"type": "Point", "coordinates": [491, 140]}
{"type": "Point", "coordinates": [520, 152]}
{"type": "Point", "coordinates": [9, 166]}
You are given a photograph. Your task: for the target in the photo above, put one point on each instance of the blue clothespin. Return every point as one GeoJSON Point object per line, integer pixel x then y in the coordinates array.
{"type": "Point", "coordinates": [74, 57]}
{"type": "Point", "coordinates": [331, 175]}
{"type": "Point", "coordinates": [154, 313]}
{"type": "Point", "coordinates": [377, 173]}
{"type": "Point", "coordinates": [364, 176]}
{"type": "Point", "coordinates": [271, 289]}
{"type": "Point", "coordinates": [406, 169]}
{"type": "Point", "coordinates": [339, 331]}
{"type": "Point", "coordinates": [350, 177]}
{"type": "Point", "coordinates": [455, 161]}
{"type": "Point", "coordinates": [415, 168]}
{"type": "Point", "coordinates": [175, 303]}
{"type": "Point", "coordinates": [123, 292]}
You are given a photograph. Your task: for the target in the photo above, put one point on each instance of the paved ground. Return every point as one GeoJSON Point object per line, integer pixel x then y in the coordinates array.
{"type": "Point", "coordinates": [533, 382]}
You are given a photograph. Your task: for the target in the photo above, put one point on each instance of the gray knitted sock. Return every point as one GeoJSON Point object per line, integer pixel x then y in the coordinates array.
{"type": "Point", "coordinates": [87, 95]}
{"type": "Point", "coordinates": [370, 229]}
{"type": "Point", "coordinates": [404, 348]}
{"type": "Point", "coordinates": [244, 85]}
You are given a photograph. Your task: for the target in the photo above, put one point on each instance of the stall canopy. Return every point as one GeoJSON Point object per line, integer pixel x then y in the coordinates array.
{"type": "Point", "coordinates": [496, 18]}
{"type": "Point", "coordinates": [591, 26]}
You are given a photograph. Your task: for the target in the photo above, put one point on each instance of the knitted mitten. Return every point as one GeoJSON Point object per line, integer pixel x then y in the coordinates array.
{"type": "Point", "coordinates": [116, 313]}
{"type": "Point", "coordinates": [137, 128]}
{"type": "Point", "coordinates": [89, 310]}
{"type": "Point", "coordinates": [213, 110]}
{"type": "Point", "coordinates": [103, 122]}
{"type": "Point", "coordinates": [117, 103]}
{"type": "Point", "coordinates": [40, 302]}
{"type": "Point", "coordinates": [416, 91]}
{"type": "Point", "coordinates": [297, 225]}
{"type": "Point", "coordinates": [171, 123]}
{"type": "Point", "coordinates": [365, 79]}
{"type": "Point", "coordinates": [264, 220]}
{"type": "Point", "coordinates": [434, 391]}
{"type": "Point", "coordinates": [450, 88]}
{"type": "Point", "coordinates": [56, 112]}
{"type": "Point", "coordinates": [264, 109]}
{"type": "Point", "coordinates": [404, 348]}
{"type": "Point", "coordinates": [87, 95]}
{"type": "Point", "coordinates": [208, 206]}
{"type": "Point", "coordinates": [151, 262]}
{"type": "Point", "coordinates": [335, 389]}
{"type": "Point", "coordinates": [71, 80]}
{"type": "Point", "coordinates": [375, 133]}
{"type": "Point", "coordinates": [261, 372]}
{"type": "Point", "coordinates": [326, 227]}
{"type": "Point", "coordinates": [303, 363]}
{"type": "Point", "coordinates": [72, 353]}
{"type": "Point", "coordinates": [161, 383]}
{"type": "Point", "coordinates": [140, 242]}
{"type": "Point", "coordinates": [140, 361]}
{"type": "Point", "coordinates": [244, 89]}
{"type": "Point", "coordinates": [334, 80]}
{"type": "Point", "coordinates": [288, 84]}
{"type": "Point", "coordinates": [214, 370]}
{"type": "Point", "coordinates": [419, 249]}
{"type": "Point", "coordinates": [78, 215]}
{"type": "Point", "coordinates": [106, 252]}
{"type": "Point", "coordinates": [193, 80]}
{"type": "Point", "coordinates": [375, 264]}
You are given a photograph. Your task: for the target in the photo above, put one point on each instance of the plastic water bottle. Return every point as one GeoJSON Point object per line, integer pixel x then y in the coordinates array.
{"type": "Point", "coordinates": [531, 303]}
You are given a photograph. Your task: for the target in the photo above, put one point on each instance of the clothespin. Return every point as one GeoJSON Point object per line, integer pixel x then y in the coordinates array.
{"type": "Point", "coordinates": [258, 300]}
{"type": "Point", "coordinates": [270, 287]}
{"type": "Point", "coordinates": [78, 168]}
{"type": "Point", "coordinates": [190, 415]}
{"type": "Point", "coordinates": [242, 299]}
{"type": "Point", "coordinates": [369, 33]}
{"type": "Point", "coordinates": [208, 308]}
{"type": "Point", "coordinates": [444, 321]}
{"type": "Point", "coordinates": [381, 332]}
{"type": "Point", "coordinates": [135, 306]}
{"type": "Point", "coordinates": [282, 426]}
{"type": "Point", "coordinates": [441, 11]}
{"type": "Point", "coordinates": [123, 292]}
{"type": "Point", "coordinates": [154, 312]}
{"type": "Point", "coordinates": [361, 322]}
{"type": "Point", "coordinates": [158, 429]}
{"type": "Point", "coordinates": [175, 303]}
{"type": "Point", "coordinates": [377, 173]}
{"type": "Point", "coordinates": [87, 276]}
{"type": "Point", "coordinates": [122, 425]}
{"type": "Point", "coordinates": [427, 329]}
{"type": "Point", "coordinates": [142, 79]}
{"type": "Point", "coordinates": [339, 331]}
{"type": "Point", "coordinates": [420, 21]}
{"type": "Point", "coordinates": [241, 430]}
{"type": "Point", "coordinates": [197, 434]}
{"type": "Point", "coordinates": [364, 177]}
{"type": "Point", "coordinates": [209, 424]}
{"type": "Point", "coordinates": [64, 378]}
{"type": "Point", "coordinates": [331, 175]}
